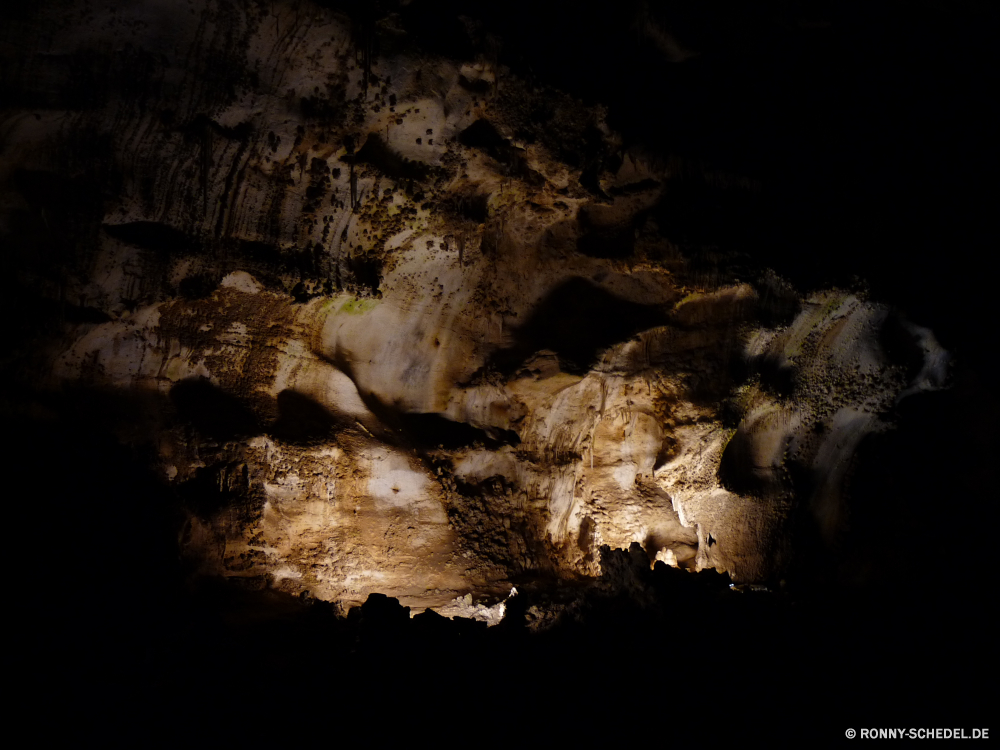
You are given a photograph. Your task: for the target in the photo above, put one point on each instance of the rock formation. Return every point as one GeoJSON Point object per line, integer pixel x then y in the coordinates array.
{"type": "Point", "coordinates": [545, 366]}
{"type": "Point", "coordinates": [402, 323]}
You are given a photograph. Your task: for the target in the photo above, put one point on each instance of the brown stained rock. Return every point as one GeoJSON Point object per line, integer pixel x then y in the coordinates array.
{"type": "Point", "coordinates": [431, 369]}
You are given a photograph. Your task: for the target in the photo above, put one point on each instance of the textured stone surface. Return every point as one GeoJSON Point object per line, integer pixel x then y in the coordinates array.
{"type": "Point", "coordinates": [387, 331]}
{"type": "Point", "coordinates": [273, 350]}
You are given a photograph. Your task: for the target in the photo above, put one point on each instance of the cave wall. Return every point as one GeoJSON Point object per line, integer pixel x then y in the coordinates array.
{"type": "Point", "coordinates": [400, 321]}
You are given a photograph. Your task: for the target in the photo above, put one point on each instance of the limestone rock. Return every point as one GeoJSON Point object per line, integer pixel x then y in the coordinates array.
{"type": "Point", "coordinates": [393, 338]}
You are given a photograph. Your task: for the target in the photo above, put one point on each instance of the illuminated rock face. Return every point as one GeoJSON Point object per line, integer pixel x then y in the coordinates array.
{"type": "Point", "coordinates": [388, 336]}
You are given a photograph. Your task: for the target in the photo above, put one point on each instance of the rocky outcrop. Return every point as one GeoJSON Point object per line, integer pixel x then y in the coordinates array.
{"type": "Point", "coordinates": [408, 324]}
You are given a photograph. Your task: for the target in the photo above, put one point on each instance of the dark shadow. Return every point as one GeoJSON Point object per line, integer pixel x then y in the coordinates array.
{"type": "Point", "coordinates": [301, 419]}
{"type": "Point", "coordinates": [42, 189]}
{"type": "Point", "coordinates": [215, 488]}
{"type": "Point", "coordinates": [434, 430]}
{"type": "Point", "coordinates": [586, 538]}
{"type": "Point", "coordinates": [667, 451]}
{"type": "Point", "coordinates": [477, 86]}
{"type": "Point", "coordinates": [590, 180]}
{"type": "Point", "coordinates": [85, 314]}
{"type": "Point", "coordinates": [367, 271]}
{"type": "Point", "coordinates": [211, 410]}
{"type": "Point", "coordinates": [737, 472]}
{"type": "Point", "coordinates": [777, 375]}
{"type": "Point", "coordinates": [633, 188]}
{"type": "Point", "coordinates": [694, 214]}
{"type": "Point", "coordinates": [576, 321]}
{"type": "Point", "coordinates": [472, 206]}
{"type": "Point", "coordinates": [900, 345]}
{"type": "Point", "coordinates": [199, 285]}
{"type": "Point", "coordinates": [777, 303]}
{"type": "Point", "coordinates": [326, 109]}
{"type": "Point", "coordinates": [608, 241]}
{"type": "Point", "coordinates": [428, 430]}
{"type": "Point", "coordinates": [267, 261]}
{"type": "Point", "coordinates": [152, 235]}
{"type": "Point", "coordinates": [262, 252]}
{"type": "Point", "coordinates": [482, 135]}
{"type": "Point", "coordinates": [378, 153]}
{"type": "Point", "coordinates": [202, 124]}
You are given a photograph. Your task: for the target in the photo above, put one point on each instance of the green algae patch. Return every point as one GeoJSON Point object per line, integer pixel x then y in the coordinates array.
{"type": "Point", "coordinates": [691, 296]}
{"type": "Point", "coordinates": [358, 306]}
{"type": "Point", "coordinates": [327, 306]}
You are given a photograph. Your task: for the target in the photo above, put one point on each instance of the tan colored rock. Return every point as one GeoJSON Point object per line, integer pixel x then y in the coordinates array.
{"type": "Point", "coordinates": [448, 366]}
